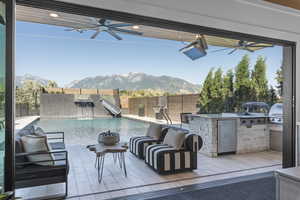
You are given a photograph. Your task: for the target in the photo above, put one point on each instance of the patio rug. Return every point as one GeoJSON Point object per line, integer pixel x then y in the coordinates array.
{"type": "Point", "coordinates": [254, 187]}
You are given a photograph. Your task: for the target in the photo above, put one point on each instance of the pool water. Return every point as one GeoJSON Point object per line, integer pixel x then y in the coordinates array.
{"type": "Point", "coordinates": [85, 132]}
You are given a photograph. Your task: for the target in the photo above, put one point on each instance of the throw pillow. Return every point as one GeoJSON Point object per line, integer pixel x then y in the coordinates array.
{"type": "Point", "coordinates": [34, 143]}
{"type": "Point", "coordinates": [26, 131]}
{"type": "Point", "coordinates": [174, 138]}
{"type": "Point", "coordinates": [154, 131]}
{"type": "Point", "coordinates": [39, 131]}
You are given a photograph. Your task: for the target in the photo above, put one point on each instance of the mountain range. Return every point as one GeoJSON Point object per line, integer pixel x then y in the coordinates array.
{"type": "Point", "coordinates": [21, 79]}
{"type": "Point", "coordinates": [130, 81]}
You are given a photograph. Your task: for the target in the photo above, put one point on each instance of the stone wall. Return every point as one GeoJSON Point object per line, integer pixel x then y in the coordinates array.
{"type": "Point", "coordinates": [176, 104]}
{"type": "Point", "coordinates": [63, 106]}
{"type": "Point", "coordinates": [206, 128]}
{"type": "Point", "coordinates": [23, 109]}
{"type": "Point", "coordinates": [254, 139]}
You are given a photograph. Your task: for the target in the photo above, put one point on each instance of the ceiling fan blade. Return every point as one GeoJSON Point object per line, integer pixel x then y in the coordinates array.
{"type": "Point", "coordinates": [94, 20]}
{"type": "Point", "coordinates": [263, 46]}
{"type": "Point", "coordinates": [119, 25]}
{"type": "Point", "coordinates": [250, 50]}
{"type": "Point", "coordinates": [250, 44]}
{"type": "Point", "coordinates": [113, 34]}
{"type": "Point", "coordinates": [219, 50]}
{"type": "Point", "coordinates": [70, 29]}
{"type": "Point", "coordinates": [126, 31]}
{"type": "Point", "coordinates": [95, 34]}
{"type": "Point", "coordinates": [231, 52]}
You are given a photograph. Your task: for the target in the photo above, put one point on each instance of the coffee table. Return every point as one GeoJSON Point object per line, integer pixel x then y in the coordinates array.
{"type": "Point", "coordinates": [118, 151]}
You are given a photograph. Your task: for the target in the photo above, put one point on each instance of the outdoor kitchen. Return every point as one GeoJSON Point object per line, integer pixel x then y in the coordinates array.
{"type": "Point", "coordinates": [238, 133]}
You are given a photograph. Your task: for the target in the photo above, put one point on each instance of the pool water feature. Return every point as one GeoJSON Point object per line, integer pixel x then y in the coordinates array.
{"type": "Point", "coordinates": [85, 132]}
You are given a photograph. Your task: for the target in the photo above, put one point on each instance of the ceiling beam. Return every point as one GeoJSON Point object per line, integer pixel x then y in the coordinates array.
{"type": "Point", "coordinates": [288, 3]}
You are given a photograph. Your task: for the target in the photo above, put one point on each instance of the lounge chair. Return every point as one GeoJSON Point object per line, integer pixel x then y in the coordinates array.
{"type": "Point", "coordinates": [155, 135]}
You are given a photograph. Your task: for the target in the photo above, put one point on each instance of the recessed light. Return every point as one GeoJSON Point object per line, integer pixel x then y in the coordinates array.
{"type": "Point", "coordinates": [53, 15]}
{"type": "Point", "coordinates": [135, 27]}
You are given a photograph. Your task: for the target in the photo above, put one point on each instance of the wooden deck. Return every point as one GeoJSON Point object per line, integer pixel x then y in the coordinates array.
{"type": "Point", "coordinates": [83, 175]}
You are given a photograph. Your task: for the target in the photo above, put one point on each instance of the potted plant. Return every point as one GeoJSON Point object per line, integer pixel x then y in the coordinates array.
{"type": "Point", "coordinates": [141, 110]}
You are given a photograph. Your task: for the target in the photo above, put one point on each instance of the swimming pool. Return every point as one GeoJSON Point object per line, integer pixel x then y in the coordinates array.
{"type": "Point", "coordinates": [85, 132]}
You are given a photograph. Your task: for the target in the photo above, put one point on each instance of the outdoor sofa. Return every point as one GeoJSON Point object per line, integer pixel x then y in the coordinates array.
{"type": "Point", "coordinates": [37, 173]}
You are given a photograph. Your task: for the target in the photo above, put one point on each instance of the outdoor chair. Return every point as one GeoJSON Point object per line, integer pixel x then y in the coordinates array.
{"type": "Point", "coordinates": [166, 159]}
{"type": "Point", "coordinates": [155, 135]}
{"type": "Point", "coordinates": [34, 173]}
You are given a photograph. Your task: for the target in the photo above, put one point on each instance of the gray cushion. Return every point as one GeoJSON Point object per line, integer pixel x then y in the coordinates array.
{"type": "Point", "coordinates": [154, 131]}
{"type": "Point", "coordinates": [26, 131]}
{"type": "Point", "coordinates": [33, 143]}
{"type": "Point", "coordinates": [174, 138]}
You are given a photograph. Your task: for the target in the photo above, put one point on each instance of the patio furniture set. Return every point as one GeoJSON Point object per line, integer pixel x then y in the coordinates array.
{"type": "Point", "coordinates": [41, 157]}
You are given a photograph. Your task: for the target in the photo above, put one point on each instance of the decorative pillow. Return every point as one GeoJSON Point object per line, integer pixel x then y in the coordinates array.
{"type": "Point", "coordinates": [26, 131]}
{"type": "Point", "coordinates": [154, 131]}
{"type": "Point", "coordinates": [39, 132]}
{"type": "Point", "coordinates": [34, 143]}
{"type": "Point", "coordinates": [174, 138]}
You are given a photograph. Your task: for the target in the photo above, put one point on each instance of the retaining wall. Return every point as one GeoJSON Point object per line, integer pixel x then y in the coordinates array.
{"type": "Point", "coordinates": [176, 104]}
{"type": "Point", "coordinates": [63, 106]}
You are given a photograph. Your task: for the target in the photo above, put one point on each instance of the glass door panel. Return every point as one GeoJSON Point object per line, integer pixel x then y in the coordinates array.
{"type": "Point", "coordinates": [2, 90]}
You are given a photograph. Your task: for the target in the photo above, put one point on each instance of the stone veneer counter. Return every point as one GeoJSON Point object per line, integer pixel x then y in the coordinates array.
{"type": "Point", "coordinates": [251, 132]}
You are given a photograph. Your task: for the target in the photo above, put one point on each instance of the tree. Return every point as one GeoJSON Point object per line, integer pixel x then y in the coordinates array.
{"type": "Point", "coordinates": [205, 93]}
{"type": "Point", "coordinates": [52, 84]}
{"type": "Point", "coordinates": [217, 92]}
{"type": "Point", "coordinates": [259, 80]}
{"type": "Point", "coordinates": [272, 96]}
{"type": "Point", "coordinates": [279, 80]}
{"type": "Point", "coordinates": [29, 93]}
{"type": "Point", "coordinates": [228, 91]}
{"type": "Point", "coordinates": [243, 89]}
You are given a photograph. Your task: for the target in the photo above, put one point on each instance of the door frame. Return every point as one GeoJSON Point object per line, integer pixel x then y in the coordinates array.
{"type": "Point", "coordinates": [9, 175]}
{"type": "Point", "coordinates": [289, 140]}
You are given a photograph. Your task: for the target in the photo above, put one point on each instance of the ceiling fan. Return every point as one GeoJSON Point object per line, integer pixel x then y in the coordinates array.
{"type": "Point", "coordinates": [245, 45]}
{"type": "Point", "coordinates": [105, 25]}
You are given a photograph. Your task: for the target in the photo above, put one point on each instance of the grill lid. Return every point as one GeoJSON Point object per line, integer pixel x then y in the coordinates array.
{"type": "Point", "coordinates": [276, 110]}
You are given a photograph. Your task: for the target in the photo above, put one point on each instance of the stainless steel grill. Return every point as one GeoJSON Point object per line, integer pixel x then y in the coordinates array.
{"type": "Point", "coordinates": [275, 113]}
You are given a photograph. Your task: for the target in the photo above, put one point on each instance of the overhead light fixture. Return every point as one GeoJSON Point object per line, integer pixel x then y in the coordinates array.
{"type": "Point", "coordinates": [135, 27]}
{"type": "Point", "coordinates": [53, 15]}
{"type": "Point", "coordinates": [196, 49]}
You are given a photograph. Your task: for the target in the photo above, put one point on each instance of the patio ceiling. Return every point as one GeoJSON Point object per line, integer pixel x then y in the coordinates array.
{"type": "Point", "coordinates": [42, 16]}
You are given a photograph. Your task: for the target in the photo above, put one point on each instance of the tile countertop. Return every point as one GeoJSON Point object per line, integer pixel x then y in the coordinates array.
{"type": "Point", "coordinates": [292, 173]}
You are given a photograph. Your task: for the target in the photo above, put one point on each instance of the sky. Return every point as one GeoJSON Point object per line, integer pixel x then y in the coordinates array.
{"type": "Point", "coordinates": [55, 54]}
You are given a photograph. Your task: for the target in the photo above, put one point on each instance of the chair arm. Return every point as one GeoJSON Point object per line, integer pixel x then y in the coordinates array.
{"type": "Point", "coordinates": [41, 153]}
{"type": "Point", "coordinates": [193, 142]}
{"type": "Point", "coordinates": [62, 135]}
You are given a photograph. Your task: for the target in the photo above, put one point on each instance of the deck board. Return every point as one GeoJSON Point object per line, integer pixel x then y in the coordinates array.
{"type": "Point", "coordinates": [83, 175]}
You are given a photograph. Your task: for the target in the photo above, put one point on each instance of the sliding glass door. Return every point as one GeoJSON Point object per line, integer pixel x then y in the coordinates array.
{"type": "Point", "coordinates": [2, 90]}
